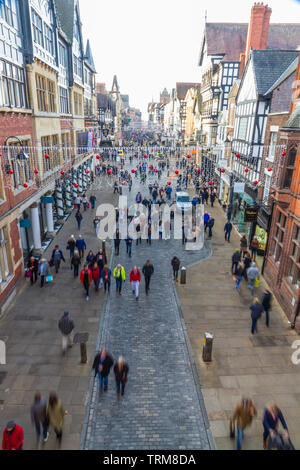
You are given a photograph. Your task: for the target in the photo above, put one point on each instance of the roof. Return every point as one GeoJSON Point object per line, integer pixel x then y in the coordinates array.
{"type": "Point", "coordinates": [229, 39]}
{"type": "Point", "coordinates": [183, 87]}
{"type": "Point", "coordinates": [293, 121]}
{"type": "Point", "coordinates": [89, 56]}
{"type": "Point", "coordinates": [269, 66]}
{"type": "Point", "coordinates": [66, 13]}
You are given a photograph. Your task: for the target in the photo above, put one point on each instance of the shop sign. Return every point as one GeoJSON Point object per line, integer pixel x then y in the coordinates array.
{"type": "Point", "coordinates": [251, 214]}
{"type": "Point", "coordinates": [47, 200]}
{"type": "Point", "coordinates": [25, 223]}
{"type": "Point", "coordinates": [239, 188]}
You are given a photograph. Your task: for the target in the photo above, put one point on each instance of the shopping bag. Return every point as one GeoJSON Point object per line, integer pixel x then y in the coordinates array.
{"type": "Point", "coordinates": [28, 273]}
{"type": "Point", "coordinates": [49, 279]}
{"type": "Point", "coordinates": [257, 282]}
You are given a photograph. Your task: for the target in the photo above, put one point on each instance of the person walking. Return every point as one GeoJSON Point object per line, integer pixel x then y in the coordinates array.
{"type": "Point", "coordinates": [210, 225]}
{"type": "Point", "coordinates": [71, 245]}
{"type": "Point", "coordinates": [90, 259]}
{"type": "Point", "coordinates": [96, 222]}
{"type": "Point", "coordinates": [38, 413]}
{"type": "Point", "coordinates": [243, 415]}
{"type": "Point", "coordinates": [86, 279]}
{"type": "Point", "coordinates": [252, 274]}
{"type": "Point", "coordinates": [78, 217]}
{"type": "Point", "coordinates": [66, 327]}
{"type": "Point", "coordinates": [243, 245]}
{"type": "Point", "coordinates": [227, 230]}
{"type": "Point", "coordinates": [117, 242]}
{"type": "Point", "coordinates": [102, 364]}
{"type": "Point", "coordinates": [121, 370]}
{"type": "Point", "coordinates": [247, 264]}
{"type": "Point", "coordinates": [96, 273]}
{"type": "Point", "coordinates": [44, 271]}
{"type": "Point", "coordinates": [254, 246]}
{"type": "Point", "coordinates": [13, 437]}
{"type": "Point", "coordinates": [206, 220]}
{"type": "Point", "coordinates": [148, 271]}
{"type": "Point", "coordinates": [85, 203]}
{"type": "Point", "coordinates": [271, 418]}
{"type": "Point", "coordinates": [101, 259]}
{"type": "Point", "coordinates": [135, 279]}
{"type": "Point", "coordinates": [236, 258]}
{"type": "Point", "coordinates": [33, 268]}
{"type": "Point", "coordinates": [81, 246]}
{"type": "Point", "coordinates": [256, 312]}
{"type": "Point", "coordinates": [239, 276]}
{"type": "Point", "coordinates": [77, 203]}
{"type": "Point", "coordinates": [175, 265]}
{"type": "Point", "coordinates": [212, 199]}
{"type": "Point", "coordinates": [56, 415]}
{"type": "Point", "coordinates": [129, 245]}
{"type": "Point", "coordinates": [75, 262]}
{"type": "Point", "coordinates": [93, 200]}
{"type": "Point", "coordinates": [119, 275]}
{"type": "Point", "coordinates": [266, 303]}
{"type": "Point", "coordinates": [57, 256]}
{"type": "Point", "coordinates": [106, 277]}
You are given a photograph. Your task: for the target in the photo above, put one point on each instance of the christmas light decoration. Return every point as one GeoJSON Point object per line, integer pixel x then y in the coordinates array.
{"type": "Point", "coordinates": [223, 170]}
{"type": "Point", "coordinates": [36, 171]}
{"type": "Point", "coordinates": [109, 172]}
{"type": "Point", "coordinates": [169, 183]}
{"type": "Point", "coordinates": [238, 155]}
{"type": "Point", "coordinates": [25, 185]}
{"type": "Point", "coordinates": [255, 182]}
{"type": "Point", "coordinates": [246, 170]}
{"type": "Point", "coordinates": [176, 172]}
{"type": "Point", "coordinates": [283, 154]}
{"type": "Point", "coordinates": [132, 171]}
{"type": "Point", "coordinates": [47, 156]}
{"type": "Point", "coordinates": [62, 172]}
{"type": "Point", "coordinates": [269, 169]}
{"type": "Point", "coordinates": [11, 172]}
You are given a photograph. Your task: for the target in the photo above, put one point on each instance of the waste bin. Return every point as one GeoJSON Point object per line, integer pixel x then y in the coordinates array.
{"type": "Point", "coordinates": [207, 347]}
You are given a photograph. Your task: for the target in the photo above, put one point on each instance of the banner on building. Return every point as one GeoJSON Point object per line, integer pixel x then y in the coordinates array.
{"type": "Point", "coordinates": [251, 214]}
{"type": "Point", "coordinates": [239, 188]}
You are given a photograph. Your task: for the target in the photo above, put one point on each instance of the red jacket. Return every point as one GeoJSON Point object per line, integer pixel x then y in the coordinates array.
{"type": "Point", "coordinates": [96, 273]}
{"type": "Point", "coordinates": [13, 440]}
{"type": "Point", "coordinates": [135, 276]}
{"type": "Point", "coordinates": [82, 276]}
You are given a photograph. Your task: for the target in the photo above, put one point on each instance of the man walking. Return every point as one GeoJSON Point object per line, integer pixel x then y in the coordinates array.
{"type": "Point", "coordinates": [227, 230]}
{"type": "Point", "coordinates": [92, 201]}
{"type": "Point", "coordinates": [81, 246]}
{"type": "Point", "coordinates": [148, 271]}
{"type": "Point", "coordinates": [121, 370]}
{"type": "Point", "coordinates": [66, 326]}
{"type": "Point", "coordinates": [57, 256]}
{"type": "Point", "coordinates": [175, 265]}
{"type": "Point", "coordinates": [78, 217]}
{"type": "Point", "coordinates": [135, 279]}
{"type": "Point", "coordinates": [243, 415]}
{"type": "Point", "coordinates": [210, 225]}
{"type": "Point", "coordinates": [102, 364]}
{"type": "Point", "coordinates": [39, 416]}
{"type": "Point", "coordinates": [252, 274]}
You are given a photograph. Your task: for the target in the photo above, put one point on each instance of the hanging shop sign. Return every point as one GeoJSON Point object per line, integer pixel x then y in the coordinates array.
{"type": "Point", "coordinates": [251, 214]}
{"type": "Point", "coordinates": [239, 188]}
{"type": "Point", "coordinates": [47, 200]}
{"type": "Point", "coordinates": [25, 223]}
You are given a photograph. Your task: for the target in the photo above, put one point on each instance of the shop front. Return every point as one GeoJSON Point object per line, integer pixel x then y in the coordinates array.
{"type": "Point", "coordinates": [26, 234]}
{"type": "Point", "coordinates": [261, 230]}
{"type": "Point", "coordinates": [240, 204]}
{"type": "Point", "coordinates": [224, 194]}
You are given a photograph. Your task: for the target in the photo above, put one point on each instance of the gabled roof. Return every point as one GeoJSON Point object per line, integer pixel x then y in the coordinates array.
{"type": "Point", "coordinates": [66, 11]}
{"type": "Point", "coordinates": [229, 39]}
{"type": "Point", "coordinates": [293, 121]}
{"type": "Point", "coordinates": [89, 56]}
{"type": "Point", "coordinates": [269, 66]}
{"type": "Point", "coordinates": [183, 87]}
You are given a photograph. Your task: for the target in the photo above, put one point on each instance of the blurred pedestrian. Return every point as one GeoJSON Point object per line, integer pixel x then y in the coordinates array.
{"type": "Point", "coordinates": [227, 230]}
{"type": "Point", "coordinates": [102, 364]}
{"type": "Point", "coordinates": [256, 312]}
{"type": "Point", "coordinates": [175, 265]}
{"type": "Point", "coordinates": [38, 412]}
{"type": "Point", "coordinates": [121, 370]}
{"type": "Point", "coordinates": [86, 279]}
{"type": "Point", "coordinates": [266, 303]}
{"type": "Point", "coordinates": [66, 327]}
{"type": "Point", "coordinates": [119, 275]}
{"type": "Point", "coordinates": [81, 246]}
{"type": "Point", "coordinates": [253, 274]}
{"type": "Point", "coordinates": [75, 262]}
{"type": "Point", "coordinates": [78, 217]}
{"type": "Point", "coordinates": [148, 271]}
{"type": "Point", "coordinates": [135, 279]}
{"type": "Point", "coordinates": [272, 415]}
{"type": "Point", "coordinates": [106, 278]}
{"type": "Point", "coordinates": [243, 415]}
{"type": "Point", "coordinates": [56, 415]}
{"type": "Point", "coordinates": [13, 437]}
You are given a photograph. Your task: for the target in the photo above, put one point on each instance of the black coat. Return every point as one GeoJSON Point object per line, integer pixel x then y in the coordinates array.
{"type": "Point", "coordinates": [35, 265]}
{"type": "Point", "coordinates": [266, 301]}
{"type": "Point", "coordinates": [175, 263]}
{"type": "Point", "coordinates": [121, 376]}
{"type": "Point", "coordinates": [148, 270]}
{"type": "Point", "coordinates": [106, 364]}
{"type": "Point", "coordinates": [256, 311]}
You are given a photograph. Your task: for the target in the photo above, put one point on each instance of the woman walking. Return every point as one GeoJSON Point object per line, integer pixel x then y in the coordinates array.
{"type": "Point", "coordinates": [256, 311]}
{"type": "Point", "coordinates": [271, 417]}
{"type": "Point", "coordinates": [71, 244]}
{"type": "Point", "coordinates": [121, 370]}
{"type": "Point", "coordinates": [106, 276]}
{"type": "Point", "coordinates": [119, 275]}
{"type": "Point", "coordinates": [90, 259]}
{"type": "Point", "coordinates": [254, 248]}
{"type": "Point", "coordinates": [117, 242]}
{"type": "Point", "coordinates": [33, 267]}
{"type": "Point", "coordinates": [239, 275]}
{"type": "Point", "coordinates": [44, 271]}
{"type": "Point", "coordinates": [56, 415]}
{"type": "Point", "coordinates": [135, 279]}
{"type": "Point", "coordinates": [96, 273]}
{"type": "Point", "coordinates": [86, 279]}
{"type": "Point", "coordinates": [175, 265]}
{"type": "Point", "coordinates": [75, 262]}
{"type": "Point", "coordinates": [243, 245]}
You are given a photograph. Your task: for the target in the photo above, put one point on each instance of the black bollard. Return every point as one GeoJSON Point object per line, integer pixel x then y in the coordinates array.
{"type": "Point", "coordinates": [183, 276]}
{"type": "Point", "coordinates": [207, 347]}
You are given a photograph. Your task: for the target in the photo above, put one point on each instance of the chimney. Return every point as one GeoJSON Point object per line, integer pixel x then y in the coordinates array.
{"type": "Point", "coordinates": [258, 30]}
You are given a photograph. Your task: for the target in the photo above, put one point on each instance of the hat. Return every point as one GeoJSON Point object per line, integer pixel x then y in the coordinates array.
{"type": "Point", "coordinates": [10, 424]}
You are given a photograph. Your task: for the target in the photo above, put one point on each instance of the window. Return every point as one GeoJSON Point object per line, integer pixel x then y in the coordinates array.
{"type": "Point", "coordinates": [13, 85]}
{"type": "Point", "coordinates": [279, 237]}
{"type": "Point", "coordinates": [294, 268]}
{"type": "Point", "coordinates": [290, 168]}
{"type": "Point", "coordinates": [4, 255]}
{"type": "Point", "coordinates": [37, 25]}
{"type": "Point", "coordinates": [64, 100]}
{"type": "Point", "coordinates": [48, 39]}
{"type": "Point", "coordinates": [243, 128]}
{"type": "Point", "coordinates": [272, 149]}
{"type": "Point", "coordinates": [19, 158]}
{"type": "Point", "coordinates": [51, 97]}
{"type": "Point", "coordinates": [267, 189]}
{"type": "Point", "coordinates": [65, 142]}
{"type": "Point", "coordinates": [50, 147]}
{"type": "Point", "coordinates": [62, 55]}
{"type": "Point", "coordinates": [77, 104]}
{"type": "Point", "coordinates": [41, 93]}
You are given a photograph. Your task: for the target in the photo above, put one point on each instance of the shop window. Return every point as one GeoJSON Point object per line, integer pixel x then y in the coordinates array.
{"type": "Point", "coordinates": [279, 237]}
{"type": "Point", "coordinates": [294, 268]}
{"type": "Point", "coordinates": [4, 255]}
{"type": "Point", "coordinates": [290, 168]}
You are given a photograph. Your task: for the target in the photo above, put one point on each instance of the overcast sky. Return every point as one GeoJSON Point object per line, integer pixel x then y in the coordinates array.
{"type": "Point", "coordinates": [153, 44]}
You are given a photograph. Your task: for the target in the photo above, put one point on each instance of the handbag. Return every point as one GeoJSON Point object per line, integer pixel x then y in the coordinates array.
{"type": "Point", "coordinates": [49, 279]}
{"type": "Point", "coordinates": [257, 282]}
{"type": "Point", "coordinates": [28, 273]}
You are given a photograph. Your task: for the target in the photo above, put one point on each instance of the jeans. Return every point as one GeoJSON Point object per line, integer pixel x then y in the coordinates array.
{"type": "Point", "coordinates": [135, 287]}
{"type": "Point", "coordinates": [57, 266]}
{"type": "Point", "coordinates": [147, 281]}
{"type": "Point", "coordinates": [93, 204]}
{"type": "Point", "coordinates": [254, 326]}
{"type": "Point", "coordinates": [238, 281]}
{"type": "Point", "coordinates": [79, 225]}
{"type": "Point", "coordinates": [97, 282]}
{"type": "Point", "coordinates": [76, 269]}
{"type": "Point", "coordinates": [119, 385]}
{"type": "Point", "coordinates": [117, 248]}
{"type": "Point", "coordinates": [38, 430]}
{"type": "Point", "coordinates": [119, 285]}
{"type": "Point", "coordinates": [102, 382]}
{"type": "Point", "coordinates": [227, 236]}
{"type": "Point", "coordinates": [107, 286]}
{"type": "Point", "coordinates": [239, 438]}
{"type": "Point", "coordinates": [129, 249]}
{"type": "Point", "coordinates": [175, 273]}
{"type": "Point", "coordinates": [251, 285]}
{"type": "Point", "coordinates": [87, 288]}
{"type": "Point", "coordinates": [209, 232]}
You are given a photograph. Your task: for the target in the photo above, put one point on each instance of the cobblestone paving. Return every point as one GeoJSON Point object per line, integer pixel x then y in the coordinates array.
{"type": "Point", "coordinates": [162, 407]}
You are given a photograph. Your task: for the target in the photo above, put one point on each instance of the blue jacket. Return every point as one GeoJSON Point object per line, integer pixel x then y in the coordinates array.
{"type": "Point", "coordinates": [108, 274]}
{"type": "Point", "coordinates": [80, 243]}
{"type": "Point", "coordinates": [228, 227]}
{"type": "Point", "coordinates": [270, 423]}
{"type": "Point", "coordinates": [206, 218]}
{"type": "Point", "coordinates": [61, 255]}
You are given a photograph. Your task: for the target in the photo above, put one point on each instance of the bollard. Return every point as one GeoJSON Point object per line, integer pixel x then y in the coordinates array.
{"type": "Point", "coordinates": [103, 246]}
{"type": "Point", "coordinates": [207, 347]}
{"type": "Point", "coordinates": [183, 276]}
{"type": "Point", "coordinates": [83, 353]}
